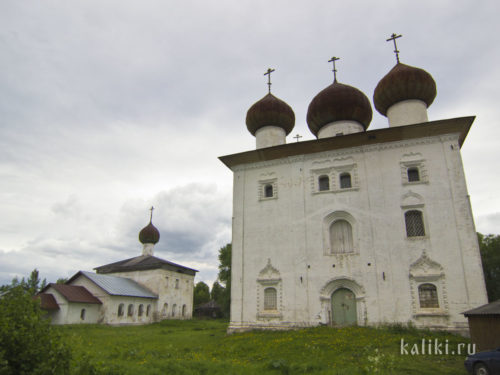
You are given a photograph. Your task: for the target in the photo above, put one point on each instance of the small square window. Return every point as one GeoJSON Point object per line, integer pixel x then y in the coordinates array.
{"type": "Point", "coordinates": [345, 181]}
{"type": "Point", "coordinates": [324, 183]}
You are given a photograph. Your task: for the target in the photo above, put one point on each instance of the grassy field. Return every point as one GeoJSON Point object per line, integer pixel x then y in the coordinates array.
{"type": "Point", "coordinates": [202, 347]}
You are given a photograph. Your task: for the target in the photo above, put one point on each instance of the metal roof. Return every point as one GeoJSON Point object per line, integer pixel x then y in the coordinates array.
{"type": "Point", "coordinates": [118, 286]}
{"type": "Point", "coordinates": [492, 308]}
{"type": "Point", "coordinates": [460, 125]}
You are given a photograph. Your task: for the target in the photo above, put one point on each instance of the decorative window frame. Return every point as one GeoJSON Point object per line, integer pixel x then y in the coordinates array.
{"type": "Point", "coordinates": [414, 202]}
{"type": "Point", "coordinates": [426, 271]}
{"type": "Point", "coordinates": [269, 277]}
{"type": "Point", "coordinates": [421, 165]}
{"type": "Point", "coordinates": [333, 174]}
{"type": "Point", "coordinates": [328, 220]}
{"type": "Point", "coordinates": [262, 189]}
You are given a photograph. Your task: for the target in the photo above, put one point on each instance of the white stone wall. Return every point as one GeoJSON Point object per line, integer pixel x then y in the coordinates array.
{"type": "Point", "coordinates": [291, 230]}
{"type": "Point", "coordinates": [172, 288]}
{"type": "Point", "coordinates": [70, 312]}
{"type": "Point", "coordinates": [268, 136]}
{"type": "Point", "coordinates": [108, 312]}
{"type": "Point", "coordinates": [407, 112]}
{"type": "Point", "coordinates": [336, 128]}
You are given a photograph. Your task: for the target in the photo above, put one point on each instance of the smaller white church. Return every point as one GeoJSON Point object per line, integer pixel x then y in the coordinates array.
{"type": "Point", "coordinates": [139, 290]}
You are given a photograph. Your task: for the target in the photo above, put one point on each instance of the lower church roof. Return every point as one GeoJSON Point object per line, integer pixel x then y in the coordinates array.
{"type": "Point", "coordinates": [72, 293]}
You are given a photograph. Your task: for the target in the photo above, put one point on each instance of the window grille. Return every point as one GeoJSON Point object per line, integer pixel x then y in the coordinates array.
{"type": "Point", "coordinates": [428, 297]}
{"type": "Point", "coordinates": [413, 175]}
{"type": "Point", "coordinates": [341, 237]}
{"type": "Point", "coordinates": [324, 183]}
{"type": "Point", "coordinates": [130, 310]}
{"type": "Point", "coordinates": [148, 310]}
{"type": "Point", "coordinates": [268, 191]}
{"type": "Point", "coordinates": [120, 309]}
{"type": "Point", "coordinates": [414, 224]}
{"type": "Point", "coordinates": [82, 314]}
{"type": "Point", "coordinates": [141, 310]}
{"type": "Point", "coordinates": [270, 299]}
{"type": "Point", "coordinates": [345, 181]}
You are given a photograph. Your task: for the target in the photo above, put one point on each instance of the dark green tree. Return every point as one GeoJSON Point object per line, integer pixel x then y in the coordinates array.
{"type": "Point", "coordinates": [225, 277]}
{"type": "Point", "coordinates": [490, 256]}
{"type": "Point", "coordinates": [32, 285]}
{"type": "Point", "coordinates": [201, 293]}
{"type": "Point", "coordinates": [217, 293]}
{"type": "Point", "coordinates": [28, 345]}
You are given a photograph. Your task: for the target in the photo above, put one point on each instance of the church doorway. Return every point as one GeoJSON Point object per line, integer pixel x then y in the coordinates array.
{"type": "Point", "coordinates": [343, 307]}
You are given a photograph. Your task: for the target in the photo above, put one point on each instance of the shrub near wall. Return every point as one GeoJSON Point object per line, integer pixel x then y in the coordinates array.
{"type": "Point", "coordinates": [28, 345]}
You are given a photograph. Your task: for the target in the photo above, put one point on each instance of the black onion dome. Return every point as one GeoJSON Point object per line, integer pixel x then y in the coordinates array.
{"type": "Point", "coordinates": [338, 102]}
{"type": "Point", "coordinates": [270, 111]}
{"type": "Point", "coordinates": [404, 82]}
{"type": "Point", "coordinates": [149, 234]}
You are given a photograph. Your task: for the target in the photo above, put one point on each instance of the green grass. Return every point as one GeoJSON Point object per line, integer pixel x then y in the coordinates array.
{"type": "Point", "coordinates": [203, 347]}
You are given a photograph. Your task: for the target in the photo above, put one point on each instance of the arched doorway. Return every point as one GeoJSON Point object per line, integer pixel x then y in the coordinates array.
{"type": "Point", "coordinates": [343, 307]}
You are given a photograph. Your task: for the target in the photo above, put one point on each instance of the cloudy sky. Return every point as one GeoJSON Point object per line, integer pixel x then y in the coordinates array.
{"type": "Point", "coordinates": [110, 107]}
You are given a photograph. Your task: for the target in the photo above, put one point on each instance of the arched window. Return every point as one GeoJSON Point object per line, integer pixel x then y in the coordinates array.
{"type": "Point", "coordinates": [324, 183]}
{"type": "Point", "coordinates": [414, 224]}
{"type": "Point", "coordinates": [148, 310]}
{"type": "Point", "coordinates": [141, 310]}
{"type": "Point", "coordinates": [183, 310]}
{"type": "Point", "coordinates": [130, 310]}
{"type": "Point", "coordinates": [341, 237]}
{"type": "Point", "coordinates": [345, 181]}
{"type": "Point", "coordinates": [120, 309]}
{"type": "Point", "coordinates": [427, 294]}
{"type": "Point", "coordinates": [176, 283]}
{"type": "Point", "coordinates": [82, 314]}
{"type": "Point", "coordinates": [174, 306]}
{"type": "Point", "coordinates": [268, 191]}
{"type": "Point", "coordinates": [413, 174]}
{"type": "Point", "coordinates": [270, 302]}
{"type": "Point", "coordinates": [164, 312]}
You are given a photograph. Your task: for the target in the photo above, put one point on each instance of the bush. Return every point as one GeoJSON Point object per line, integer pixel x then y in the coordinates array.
{"type": "Point", "coordinates": [28, 345]}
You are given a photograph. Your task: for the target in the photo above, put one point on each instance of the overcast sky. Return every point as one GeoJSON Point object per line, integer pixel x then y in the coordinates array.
{"type": "Point", "coordinates": [110, 107]}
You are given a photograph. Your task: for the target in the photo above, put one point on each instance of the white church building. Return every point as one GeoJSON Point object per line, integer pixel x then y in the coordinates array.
{"type": "Point", "coordinates": [355, 227]}
{"type": "Point", "coordinates": [139, 290]}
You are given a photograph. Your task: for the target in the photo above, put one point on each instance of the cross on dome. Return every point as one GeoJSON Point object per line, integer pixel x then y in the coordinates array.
{"type": "Point", "coordinates": [332, 60]}
{"type": "Point", "coordinates": [268, 74]}
{"type": "Point", "coordinates": [393, 37]}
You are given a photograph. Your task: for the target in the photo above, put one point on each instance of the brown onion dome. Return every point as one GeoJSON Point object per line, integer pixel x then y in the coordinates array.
{"type": "Point", "coordinates": [404, 82]}
{"type": "Point", "coordinates": [149, 234]}
{"type": "Point", "coordinates": [338, 102]}
{"type": "Point", "coordinates": [270, 111]}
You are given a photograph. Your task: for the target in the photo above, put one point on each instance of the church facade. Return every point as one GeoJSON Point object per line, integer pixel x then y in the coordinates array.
{"type": "Point", "coordinates": [139, 290]}
{"type": "Point", "coordinates": [355, 227]}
